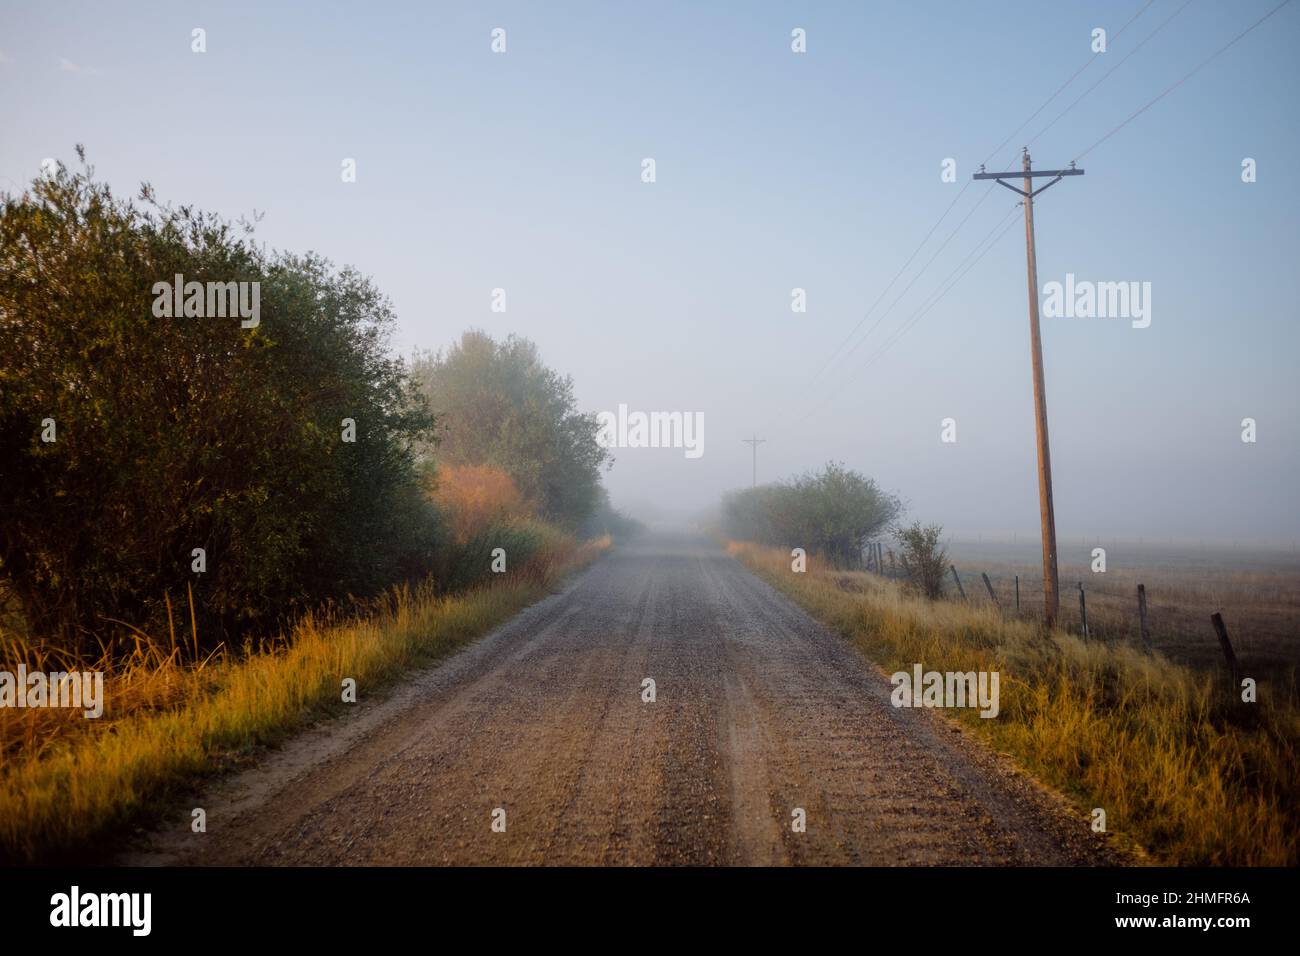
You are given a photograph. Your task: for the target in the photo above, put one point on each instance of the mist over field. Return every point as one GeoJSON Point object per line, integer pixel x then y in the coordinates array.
{"type": "Point", "coordinates": [775, 171]}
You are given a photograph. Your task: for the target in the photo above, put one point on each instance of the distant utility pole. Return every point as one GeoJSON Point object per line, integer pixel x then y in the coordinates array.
{"type": "Point", "coordinates": [754, 443]}
{"type": "Point", "coordinates": [1051, 593]}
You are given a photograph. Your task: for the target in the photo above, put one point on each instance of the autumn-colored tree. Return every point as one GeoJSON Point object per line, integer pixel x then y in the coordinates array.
{"type": "Point", "coordinates": [499, 405]}
{"type": "Point", "coordinates": [476, 497]}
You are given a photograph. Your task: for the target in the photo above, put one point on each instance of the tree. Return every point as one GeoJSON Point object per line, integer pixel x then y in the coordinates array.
{"type": "Point", "coordinates": [179, 433]}
{"type": "Point", "coordinates": [501, 406]}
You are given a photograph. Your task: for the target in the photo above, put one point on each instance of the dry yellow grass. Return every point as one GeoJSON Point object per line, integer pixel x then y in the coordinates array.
{"type": "Point", "coordinates": [1261, 606]}
{"type": "Point", "coordinates": [1182, 768]}
{"type": "Point", "coordinates": [68, 784]}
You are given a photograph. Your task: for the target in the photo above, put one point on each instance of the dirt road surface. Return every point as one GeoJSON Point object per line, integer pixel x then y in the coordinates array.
{"type": "Point", "coordinates": [758, 711]}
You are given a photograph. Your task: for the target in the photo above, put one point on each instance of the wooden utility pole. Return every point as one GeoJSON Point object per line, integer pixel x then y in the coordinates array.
{"type": "Point", "coordinates": [1051, 591]}
{"type": "Point", "coordinates": [754, 443]}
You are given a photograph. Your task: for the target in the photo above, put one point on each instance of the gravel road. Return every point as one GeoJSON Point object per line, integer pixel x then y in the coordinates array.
{"type": "Point", "coordinates": [758, 711]}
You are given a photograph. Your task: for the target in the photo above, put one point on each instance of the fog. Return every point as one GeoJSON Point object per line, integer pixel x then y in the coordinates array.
{"type": "Point", "coordinates": [774, 171]}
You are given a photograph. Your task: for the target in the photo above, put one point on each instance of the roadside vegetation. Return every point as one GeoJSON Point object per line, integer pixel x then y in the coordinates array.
{"type": "Point", "coordinates": [502, 407]}
{"type": "Point", "coordinates": [1186, 772]}
{"type": "Point", "coordinates": [227, 519]}
{"type": "Point", "coordinates": [832, 512]}
{"type": "Point", "coordinates": [922, 558]}
{"type": "Point", "coordinates": [71, 786]}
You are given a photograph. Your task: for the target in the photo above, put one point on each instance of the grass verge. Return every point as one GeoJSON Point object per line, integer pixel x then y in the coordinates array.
{"type": "Point", "coordinates": [1181, 766]}
{"type": "Point", "coordinates": [78, 783]}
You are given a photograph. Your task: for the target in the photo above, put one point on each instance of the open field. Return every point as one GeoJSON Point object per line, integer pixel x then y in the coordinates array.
{"type": "Point", "coordinates": [1256, 591]}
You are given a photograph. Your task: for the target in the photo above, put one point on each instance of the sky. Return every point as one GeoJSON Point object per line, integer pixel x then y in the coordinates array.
{"type": "Point", "coordinates": [774, 171]}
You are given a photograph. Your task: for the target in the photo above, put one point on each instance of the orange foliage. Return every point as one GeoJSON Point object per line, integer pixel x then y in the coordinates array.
{"type": "Point", "coordinates": [477, 496]}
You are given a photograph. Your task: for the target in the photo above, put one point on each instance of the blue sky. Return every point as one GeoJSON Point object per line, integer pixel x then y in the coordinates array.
{"type": "Point", "coordinates": [775, 170]}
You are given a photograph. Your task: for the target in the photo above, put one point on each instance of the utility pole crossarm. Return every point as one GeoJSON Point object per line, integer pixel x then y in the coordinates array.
{"type": "Point", "coordinates": [1033, 173]}
{"type": "Point", "coordinates": [1026, 176]}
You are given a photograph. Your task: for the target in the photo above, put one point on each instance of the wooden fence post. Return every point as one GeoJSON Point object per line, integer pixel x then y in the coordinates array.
{"type": "Point", "coordinates": [992, 597]}
{"type": "Point", "coordinates": [893, 573]}
{"type": "Point", "coordinates": [1142, 616]}
{"type": "Point", "coordinates": [1219, 628]}
{"type": "Point", "coordinates": [1083, 611]}
{"type": "Point", "coordinates": [960, 590]}
{"type": "Point", "coordinates": [1017, 594]}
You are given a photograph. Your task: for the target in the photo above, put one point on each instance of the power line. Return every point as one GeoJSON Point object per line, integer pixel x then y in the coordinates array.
{"type": "Point", "coordinates": [916, 317]}
{"type": "Point", "coordinates": [1169, 89]}
{"type": "Point", "coordinates": [1061, 89]}
{"type": "Point", "coordinates": [1112, 132]}
{"type": "Point", "coordinates": [912, 321]}
{"type": "Point", "coordinates": [920, 273]}
{"type": "Point", "coordinates": [942, 290]}
{"type": "Point", "coordinates": [835, 353]}
{"type": "Point", "coordinates": [1163, 23]}
{"type": "Point", "coordinates": [1050, 583]}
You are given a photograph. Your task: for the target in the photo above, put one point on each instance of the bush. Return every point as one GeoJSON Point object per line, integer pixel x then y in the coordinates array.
{"type": "Point", "coordinates": [475, 497]}
{"type": "Point", "coordinates": [527, 544]}
{"type": "Point", "coordinates": [834, 513]}
{"type": "Point", "coordinates": [923, 558]}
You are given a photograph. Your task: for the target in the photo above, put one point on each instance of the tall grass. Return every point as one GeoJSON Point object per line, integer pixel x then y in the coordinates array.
{"type": "Point", "coordinates": [1184, 770]}
{"type": "Point", "coordinates": [526, 542]}
{"type": "Point", "coordinates": [68, 785]}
